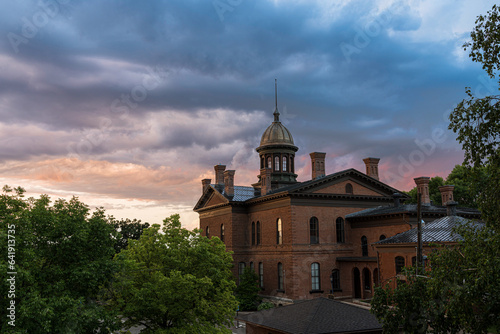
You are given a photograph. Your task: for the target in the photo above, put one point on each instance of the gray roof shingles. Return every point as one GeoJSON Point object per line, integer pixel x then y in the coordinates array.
{"type": "Point", "coordinates": [439, 230]}
{"type": "Point", "coordinates": [316, 316]}
{"type": "Point", "coordinates": [408, 208]}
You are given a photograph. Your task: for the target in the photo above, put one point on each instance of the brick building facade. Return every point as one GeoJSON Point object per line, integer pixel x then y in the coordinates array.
{"type": "Point", "coordinates": [304, 239]}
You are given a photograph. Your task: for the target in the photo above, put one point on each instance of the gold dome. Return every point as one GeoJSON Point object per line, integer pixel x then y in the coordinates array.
{"type": "Point", "coordinates": [276, 134]}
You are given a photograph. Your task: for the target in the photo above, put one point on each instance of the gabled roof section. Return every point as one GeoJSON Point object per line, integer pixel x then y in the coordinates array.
{"type": "Point", "coordinates": [316, 316]}
{"type": "Point", "coordinates": [215, 191]}
{"type": "Point", "coordinates": [439, 230]}
{"type": "Point", "coordinates": [352, 173]}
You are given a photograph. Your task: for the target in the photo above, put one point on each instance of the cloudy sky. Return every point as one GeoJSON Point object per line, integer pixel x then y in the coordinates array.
{"type": "Point", "coordinates": [129, 104]}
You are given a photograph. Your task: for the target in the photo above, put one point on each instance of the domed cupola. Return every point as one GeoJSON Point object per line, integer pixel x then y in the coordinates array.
{"type": "Point", "coordinates": [277, 152]}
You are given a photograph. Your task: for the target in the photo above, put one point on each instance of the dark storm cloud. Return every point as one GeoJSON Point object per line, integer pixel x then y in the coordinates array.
{"type": "Point", "coordinates": [350, 80]}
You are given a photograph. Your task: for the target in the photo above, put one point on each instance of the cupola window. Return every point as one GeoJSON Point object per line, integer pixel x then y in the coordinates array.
{"type": "Point", "coordinates": [284, 164]}
{"type": "Point", "coordinates": [277, 163]}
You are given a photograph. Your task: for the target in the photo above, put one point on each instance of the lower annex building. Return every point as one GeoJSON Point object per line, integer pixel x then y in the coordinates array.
{"type": "Point", "coordinates": [306, 239]}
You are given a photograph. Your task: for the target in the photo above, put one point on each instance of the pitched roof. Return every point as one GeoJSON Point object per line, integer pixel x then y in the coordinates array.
{"type": "Point", "coordinates": [300, 186]}
{"type": "Point", "coordinates": [439, 230]}
{"type": "Point", "coordinates": [315, 316]}
{"type": "Point", "coordinates": [241, 193]}
{"type": "Point", "coordinates": [410, 208]}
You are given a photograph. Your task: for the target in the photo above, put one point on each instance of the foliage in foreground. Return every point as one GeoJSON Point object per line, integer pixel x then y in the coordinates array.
{"type": "Point", "coordinates": [63, 257]}
{"type": "Point", "coordinates": [175, 282]}
{"type": "Point", "coordinates": [460, 292]}
{"type": "Point", "coordinates": [247, 292]}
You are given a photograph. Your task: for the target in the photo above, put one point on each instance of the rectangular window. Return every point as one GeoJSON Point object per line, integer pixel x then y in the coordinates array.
{"type": "Point", "coordinates": [261, 275]}
{"type": "Point", "coordinates": [336, 280]}
{"type": "Point", "coordinates": [281, 284]}
{"type": "Point", "coordinates": [279, 232]}
{"type": "Point", "coordinates": [313, 230]}
{"type": "Point", "coordinates": [315, 282]}
{"type": "Point", "coordinates": [241, 269]}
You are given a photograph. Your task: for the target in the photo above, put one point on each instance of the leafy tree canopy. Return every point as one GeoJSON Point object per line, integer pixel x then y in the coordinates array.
{"type": "Point", "coordinates": [63, 256]}
{"type": "Point", "coordinates": [476, 120]}
{"type": "Point", "coordinates": [461, 291]}
{"type": "Point", "coordinates": [247, 292]}
{"type": "Point", "coordinates": [129, 229]}
{"type": "Point", "coordinates": [175, 281]}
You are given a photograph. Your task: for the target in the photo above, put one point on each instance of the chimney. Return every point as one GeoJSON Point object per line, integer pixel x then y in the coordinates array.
{"type": "Point", "coordinates": [446, 194]}
{"type": "Point", "coordinates": [372, 167]}
{"type": "Point", "coordinates": [219, 174]}
{"type": "Point", "coordinates": [229, 182]}
{"type": "Point", "coordinates": [205, 183]}
{"type": "Point", "coordinates": [423, 188]}
{"type": "Point", "coordinates": [396, 197]}
{"type": "Point", "coordinates": [451, 208]}
{"type": "Point", "coordinates": [265, 181]}
{"type": "Point", "coordinates": [317, 164]}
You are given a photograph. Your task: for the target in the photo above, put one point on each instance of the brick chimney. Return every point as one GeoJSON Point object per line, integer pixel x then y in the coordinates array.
{"type": "Point", "coordinates": [317, 164]}
{"type": "Point", "coordinates": [229, 182]}
{"type": "Point", "coordinates": [451, 208]}
{"type": "Point", "coordinates": [205, 184]}
{"type": "Point", "coordinates": [265, 181]}
{"type": "Point", "coordinates": [423, 188]}
{"type": "Point", "coordinates": [446, 193]}
{"type": "Point", "coordinates": [372, 167]}
{"type": "Point", "coordinates": [219, 174]}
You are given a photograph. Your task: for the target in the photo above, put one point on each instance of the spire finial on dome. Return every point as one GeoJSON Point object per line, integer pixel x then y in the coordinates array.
{"type": "Point", "coordinates": [276, 112]}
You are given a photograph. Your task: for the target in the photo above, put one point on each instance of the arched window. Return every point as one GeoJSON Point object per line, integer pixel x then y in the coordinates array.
{"type": "Point", "coordinates": [261, 275]}
{"type": "Point", "coordinates": [258, 234]}
{"type": "Point", "coordinates": [315, 276]}
{"type": "Point", "coordinates": [279, 232]}
{"type": "Point", "coordinates": [335, 280]}
{"type": "Point", "coordinates": [269, 162]}
{"type": "Point", "coordinates": [400, 264]}
{"type": "Point", "coordinates": [339, 225]}
{"type": "Point", "coordinates": [241, 269]}
{"type": "Point", "coordinates": [277, 163]}
{"type": "Point", "coordinates": [364, 246]}
{"type": "Point", "coordinates": [348, 188]}
{"type": "Point", "coordinates": [367, 280]}
{"type": "Point", "coordinates": [382, 237]}
{"type": "Point", "coordinates": [222, 232]}
{"type": "Point", "coordinates": [253, 233]}
{"type": "Point", "coordinates": [313, 230]}
{"type": "Point", "coordinates": [207, 232]}
{"type": "Point", "coordinates": [281, 277]}
{"type": "Point", "coordinates": [283, 165]}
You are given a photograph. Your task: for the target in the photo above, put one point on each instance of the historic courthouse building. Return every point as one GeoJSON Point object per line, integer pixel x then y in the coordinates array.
{"type": "Point", "coordinates": [306, 239]}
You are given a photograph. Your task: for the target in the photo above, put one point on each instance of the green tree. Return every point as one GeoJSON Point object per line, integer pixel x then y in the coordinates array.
{"type": "Point", "coordinates": [404, 308]}
{"type": "Point", "coordinates": [462, 291]}
{"type": "Point", "coordinates": [476, 120]}
{"type": "Point", "coordinates": [177, 281]}
{"type": "Point", "coordinates": [129, 229]}
{"type": "Point", "coordinates": [247, 292]}
{"type": "Point", "coordinates": [468, 185]}
{"type": "Point", "coordinates": [63, 256]}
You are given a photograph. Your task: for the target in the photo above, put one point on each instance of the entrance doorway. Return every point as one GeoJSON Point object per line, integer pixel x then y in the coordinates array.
{"type": "Point", "coordinates": [357, 283]}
